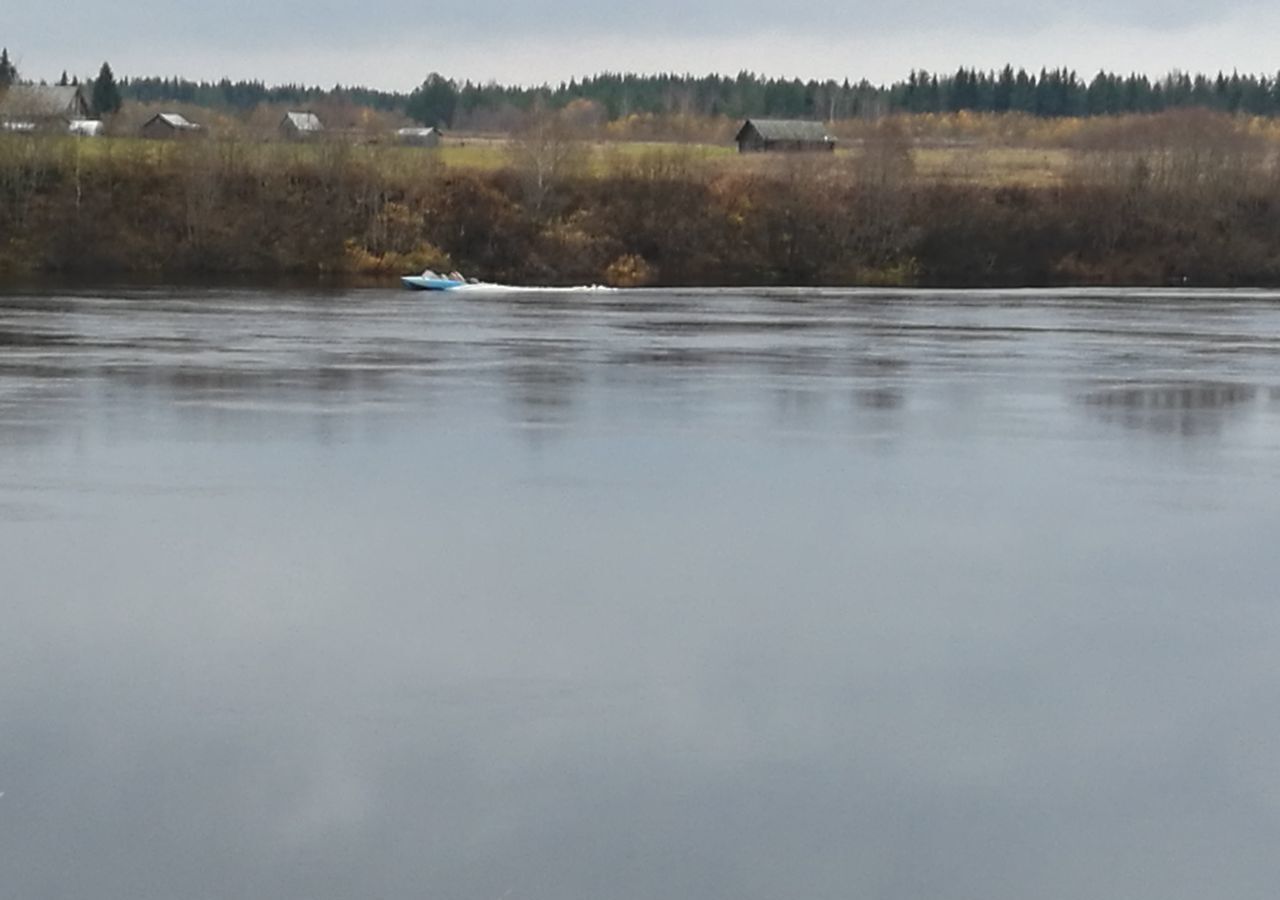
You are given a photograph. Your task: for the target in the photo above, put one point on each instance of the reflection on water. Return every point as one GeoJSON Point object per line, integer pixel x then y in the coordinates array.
{"type": "Point", "coordinates": [694, 594]}
{"type": "Point", "coordinates": [880, 398]}
{"type": "Point", "coordinates": [1188, 410]}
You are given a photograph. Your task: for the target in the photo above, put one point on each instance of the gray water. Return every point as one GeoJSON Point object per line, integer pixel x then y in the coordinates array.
{"type": "Point", "coordinates": [639, 595]}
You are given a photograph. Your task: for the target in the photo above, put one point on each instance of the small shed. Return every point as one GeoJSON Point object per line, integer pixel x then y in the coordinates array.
{"type": "Point", "coordinates": [86, 127]}
{"type": "Point", "coordinates": [169, 126]}
{"type": "Point", "coordinates": [783, 135]}
{"type": "Point", "coordinates": [419, 137]}
{"type": "Point", "coordinates": [301, 125]}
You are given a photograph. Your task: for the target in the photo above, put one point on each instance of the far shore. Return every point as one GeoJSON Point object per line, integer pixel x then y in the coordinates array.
{"type": "Point", "coordinates": [1198, 205]}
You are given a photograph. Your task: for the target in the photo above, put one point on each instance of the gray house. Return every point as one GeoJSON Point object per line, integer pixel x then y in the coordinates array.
{"type": "Point", "coordinates": [783, 135]}
{"type": "Point", "coordinates": [42, 107]}
{"type": "Point", "coordinates": [301, 125]}
{"type": "Point", "coordinates": [169, 126]}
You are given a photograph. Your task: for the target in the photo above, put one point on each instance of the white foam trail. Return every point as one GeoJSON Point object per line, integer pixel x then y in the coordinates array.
{"type": "Point", "coordinates": [492, 288]}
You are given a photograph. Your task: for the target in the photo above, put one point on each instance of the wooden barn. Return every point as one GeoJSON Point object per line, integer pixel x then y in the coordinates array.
{"type": "Point", "coordinates": [783, 136]}
{"type": "Point", "coordinates": [301, 125]}
{"type": "Point", "coordinates": [42, 107]}
{"type": "Point", "coordinates": [170, 126]}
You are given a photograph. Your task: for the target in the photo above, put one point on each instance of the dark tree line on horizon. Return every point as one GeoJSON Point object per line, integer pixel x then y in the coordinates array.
{"type": "Point", "coordinates": [244, 95]}
{"type": "Point", "coordinates": [1047, 93]}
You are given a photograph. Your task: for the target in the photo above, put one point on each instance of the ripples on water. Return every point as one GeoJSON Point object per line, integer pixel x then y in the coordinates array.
{"type": "Point", "coordinates": [659, 593]}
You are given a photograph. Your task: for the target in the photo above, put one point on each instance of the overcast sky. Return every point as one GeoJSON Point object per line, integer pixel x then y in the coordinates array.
{"type": "Point", "coordinates": [393, 44]}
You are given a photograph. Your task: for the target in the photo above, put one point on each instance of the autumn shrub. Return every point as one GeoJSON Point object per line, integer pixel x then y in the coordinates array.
{"type": "Point", "coordinates": [1153, 201]}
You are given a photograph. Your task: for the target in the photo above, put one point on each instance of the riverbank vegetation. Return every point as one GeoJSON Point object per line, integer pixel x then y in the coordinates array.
{"type": "Point", "coordinates": [1187, 196]}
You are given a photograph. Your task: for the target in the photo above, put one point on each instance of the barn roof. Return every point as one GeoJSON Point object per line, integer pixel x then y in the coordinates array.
{"type": "Point", "coordinates": [43, 101]}
{"type": "Point", "coordinates": [176, 120]}
{"type": "Point", "coordinates": [304, 121]}
{"type": "Point", "coordinates": [787, 130]}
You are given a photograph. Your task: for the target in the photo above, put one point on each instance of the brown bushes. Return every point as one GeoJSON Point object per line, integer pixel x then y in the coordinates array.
{"type": "Point", "coordinates": [1179, 203]}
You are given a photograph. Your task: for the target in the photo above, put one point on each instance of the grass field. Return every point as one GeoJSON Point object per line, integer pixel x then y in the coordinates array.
{"type": "Point", "coordinates": [990, 164]}
{"type": "Point", "coordinates": [494, 153]}
{"type": "Point", "coordinates": [1027, 166]}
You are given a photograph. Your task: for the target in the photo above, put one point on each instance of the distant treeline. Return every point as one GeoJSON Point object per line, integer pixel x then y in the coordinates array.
{"type": "Point", "coordinates": [245, 95]}
{"type": "Point", "coordinates": [1048, 93]}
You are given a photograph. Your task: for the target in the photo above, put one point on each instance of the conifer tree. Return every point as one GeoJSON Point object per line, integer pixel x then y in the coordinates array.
{"type": "Point", "coordinates": [434, 101]}
{"type": "Point", "coordinates": [8, 71]}
{"type": "Point", "coordinates": [106, 95]}
{"type": "Point", "coordinates": [1002, 95]}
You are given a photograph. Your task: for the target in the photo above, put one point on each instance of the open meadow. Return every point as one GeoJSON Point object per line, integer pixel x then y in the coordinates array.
{"type": "Point", "coordinates": [963, 148]}
{"type": "Point", "coordinates": [1027, 166]}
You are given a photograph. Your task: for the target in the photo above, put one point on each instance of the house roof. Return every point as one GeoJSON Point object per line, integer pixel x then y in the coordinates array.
{"type": "Point", "coordinates": [43, 101]}
{"type": "Point", "coordinates": [175, 120]}
{"type": "Point", "coordinates": [303, 121]}
{"type": "Point", "coordinates": [787, 130]}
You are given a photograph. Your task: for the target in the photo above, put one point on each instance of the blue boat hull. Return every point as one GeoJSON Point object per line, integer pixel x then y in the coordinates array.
{"type": "Point", "coordinates": [418, 283]}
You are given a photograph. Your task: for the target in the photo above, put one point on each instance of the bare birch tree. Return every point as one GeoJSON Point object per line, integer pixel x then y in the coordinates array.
{"type": "Point", "coordinates": [545, 152]}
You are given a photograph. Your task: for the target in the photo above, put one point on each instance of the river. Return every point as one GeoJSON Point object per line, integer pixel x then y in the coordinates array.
{"type": "Point", "coordinates": [651, 594]}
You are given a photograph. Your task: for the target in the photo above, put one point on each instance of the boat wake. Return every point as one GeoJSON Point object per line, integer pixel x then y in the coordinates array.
{"type": "Point", "coordinates": [486, 287]}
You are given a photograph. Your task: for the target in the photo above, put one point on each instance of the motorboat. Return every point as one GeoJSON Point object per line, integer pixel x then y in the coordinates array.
{"type": "Point", "coordinates": [431, 282]}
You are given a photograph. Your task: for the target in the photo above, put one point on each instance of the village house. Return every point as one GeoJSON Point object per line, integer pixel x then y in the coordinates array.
{"type": "Point", "coordinates": [301, 125]}
{"type": "Point", "coordinates": [418, 137]}
{"type": "Point", "coordinates": [783, 135]}
{"type": "Point", "coordinates": [170, 126]}
{"type": "Point", "coordinates": [42, 107]}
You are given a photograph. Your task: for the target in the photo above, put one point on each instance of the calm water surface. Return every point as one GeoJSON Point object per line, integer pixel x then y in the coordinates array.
{"type": "Point", "coordinates": [639, 595]}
